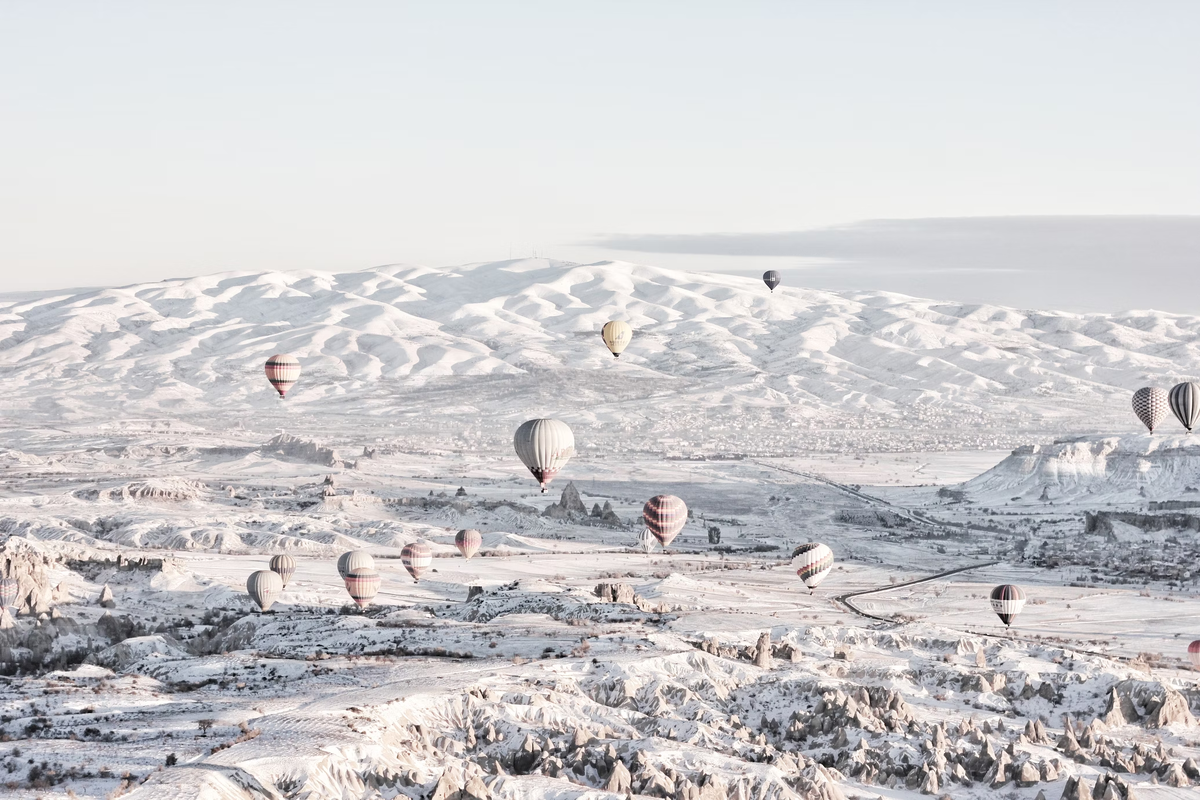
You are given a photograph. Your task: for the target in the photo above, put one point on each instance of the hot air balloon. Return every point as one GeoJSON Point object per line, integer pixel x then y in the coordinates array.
{"type": "Point", "coordinates": [812, 562]}
{"type": "Point", "coordinates": [363, 584]}
{"type": "Point", "coordinates": [354, 559]}
{"type": "Point", "coordinates": [8, 592]}
{"type": "Point", "coordinates": [1007, 602]}
{"type": "Point", "coordinates": [616, 335]}
{"type": "Point", "coordinates": [771, 279]}
{"type": "Point", "coordinates": [665, 515]}
{"type": "Point", "coordinates": [416, 557]}
{"type": "Point", "coordinates": [1185, 402]}
{"type": "Point", "coordinates": [1194, 653]}
{"type": "Point", "coordinates": [545, 446]}
{"type": "Point", "coordinates": [284, 566]}
{"type": "Point", "coordinates": [646, 540]}
{"type": "Point", "coordinates": [1150, 404]}
{"type": "Point", "coordinates": [468, 542]}
{"type": "Point", "coordinates": [283, 370]}
{"type": "Point", "coordinates": [264, 587]}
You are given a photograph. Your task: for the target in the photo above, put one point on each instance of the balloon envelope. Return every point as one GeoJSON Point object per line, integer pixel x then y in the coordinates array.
{"type": "Point", "coordinates": [812, 562]}
{"type": "Point", "coordinates": [1185, 403]}
{"type": "Point", "coordinates": [544, 446]}
{"type": "Point", "coordinates": [283, 370]}
{"type": "Point", "coordinates": [416, 558]}
{"type": "Point", "coordinates": [616, 335]}
{"type": "Point", "coordinates": [1194, 653]}
{"type": "Point", "coordinates": [352, 560]}
{"type": "Point", "coordinates": [284, 566]}
{"type": "Point", "coordinates": [264, 588]}
{"type": "Point", "coordinates": [1007, 602]}
{"type": "Point", "coordinates": [771, 279]}
{"type": "Point", "coordinates": [665, 515]}
{"type": "Point", "coordinates": [468, 542]}
{"type": "Point", "coordinates": [8, 592]}
{"type": "Point", "coordinates": [363, 584]}
{"type": "Point", "coordinates": [1150, 404]}
{"type": "Point", "coordinates": [646, 540]}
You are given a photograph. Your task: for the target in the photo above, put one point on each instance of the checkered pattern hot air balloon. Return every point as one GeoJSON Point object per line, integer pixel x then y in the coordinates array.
{"type": "Point", "coordinates": [665, 515]}
{"type": "Point", "coordinates": [771, 279]}
{"type": "Point", "coordinates": [363, 584]}
{"type": "Point", "coordinates": [812, 562]}
{"type": "Point", "coordinates": [468, 542]}
{"type": "Point", "coordinates": [1007, 602]}
{"type": "Point", "coordinates": [283, 370]}
{"type": "Point", "coordinates": [284, 566]}
{"type": "Point", "coordinates": [1150, 404]}
{"type": "Point", "coordinates": [416, 558]}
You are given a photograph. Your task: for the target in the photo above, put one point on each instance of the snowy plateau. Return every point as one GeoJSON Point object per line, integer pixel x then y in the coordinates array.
{"type": "Point", "coordinates": [939, 449]}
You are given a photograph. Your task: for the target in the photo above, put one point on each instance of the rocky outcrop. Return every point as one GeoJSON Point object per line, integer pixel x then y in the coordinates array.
{"type": "Point", "coordinates": [287, 446]}
{"type": "Point", "coordinates": [106, 598]}
{"type": "Point", "coordinates": [28, 564]}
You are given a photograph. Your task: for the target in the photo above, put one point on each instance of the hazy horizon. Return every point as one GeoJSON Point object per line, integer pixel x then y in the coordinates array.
{"type": "Point", "coordinates": [144, 141]}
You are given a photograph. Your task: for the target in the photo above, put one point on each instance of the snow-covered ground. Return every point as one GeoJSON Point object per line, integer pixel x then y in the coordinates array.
{"type": "Point", "coordinates": [145, 458]}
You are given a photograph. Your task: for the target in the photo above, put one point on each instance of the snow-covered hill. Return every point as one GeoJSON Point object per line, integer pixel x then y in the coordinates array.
{"type": "Point", "coordinates": [1109, 470]}
{"type": "Point", "coordinates": [451, 348]}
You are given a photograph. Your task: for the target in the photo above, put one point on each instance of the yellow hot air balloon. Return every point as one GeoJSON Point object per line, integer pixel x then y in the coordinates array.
{"type": "Point", "coordinates": [617, 335]}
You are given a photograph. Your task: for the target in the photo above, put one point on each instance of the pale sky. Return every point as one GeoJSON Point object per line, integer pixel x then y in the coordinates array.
{"type": "Point", "coordinates": [144, 140]}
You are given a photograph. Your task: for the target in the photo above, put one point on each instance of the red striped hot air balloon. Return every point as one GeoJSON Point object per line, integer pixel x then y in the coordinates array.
{"type": "Point", "coordinates": [283, 370]}
{"type": "Point", "coordinates": [812, 562]}
{"type": "Point", "coordinates": [468, 542]}
{"type": "Point", "coordinates": [8, 592]}
{"type": "Point", "coordinates": [416, 558]}
{"type": "Point", "coordinates": [363, 585]}
{"type": "Point", "coordinates": [665, 515]}
{"type": "Point", "coordinates": [1007, 602]}
{"type": "Point", "coordinates": [1194, 653]}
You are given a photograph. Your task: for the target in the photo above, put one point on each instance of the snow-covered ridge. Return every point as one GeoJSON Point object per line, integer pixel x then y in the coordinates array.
{"type": "Point", "coordinates": [1096, 469]}
{"type": "Point", "coordinates": [724, 341]}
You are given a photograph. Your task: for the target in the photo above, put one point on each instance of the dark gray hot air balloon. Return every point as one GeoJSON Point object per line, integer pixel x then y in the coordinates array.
{"type": "Point", "coordinates": [1185, 403]}
{"type": "Point", "coordinates": [1150, 404]}
{"type": "Point", "coordinates": [771, 279]}
{"type": "Point", "coordinates": [264, 588]}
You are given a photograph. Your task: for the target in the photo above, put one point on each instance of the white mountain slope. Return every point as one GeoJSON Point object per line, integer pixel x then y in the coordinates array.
{"type": "Point", "coordinates": [1095, 470]}
{"type": "Point", "coordinates": [446, 349]}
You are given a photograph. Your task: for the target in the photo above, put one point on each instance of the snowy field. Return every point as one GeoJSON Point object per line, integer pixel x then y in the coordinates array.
{"type": "Point", "coordinates": [148, 470]}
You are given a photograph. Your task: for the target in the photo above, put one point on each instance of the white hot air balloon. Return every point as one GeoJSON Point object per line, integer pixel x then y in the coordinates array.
{"type": "Point", "coordinates": [264, 588]}
{"type": "Point", "coordinates": [352, 560]}
{"type": "Point", "coordinates": [544, 446]}
{"type": "Point", "coordinates": [617, 335]}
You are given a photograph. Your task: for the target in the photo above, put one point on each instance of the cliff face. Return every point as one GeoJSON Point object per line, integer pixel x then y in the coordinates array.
{"type": "Point", "coordinates": [29, 565]}
{"type": "Point", "coordinates": [1114, 469]}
